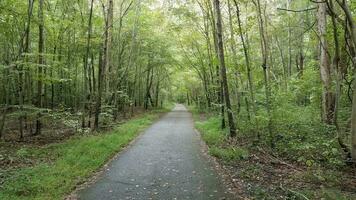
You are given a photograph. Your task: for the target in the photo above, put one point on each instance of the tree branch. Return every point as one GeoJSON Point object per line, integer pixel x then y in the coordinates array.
{"type": "Point", "coordinates": [296, 11]}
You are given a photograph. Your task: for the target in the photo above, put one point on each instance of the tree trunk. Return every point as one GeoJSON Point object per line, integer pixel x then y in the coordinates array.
{"type": "Point", "coordinates": [351, 22]}
{"type": "Point", "coordinates": [2, 122]}
{"type": "Point", "coordinates": [40, 67]}
{"type": "Point", "coordinates": [25, 50]}
{"type": "Point", "coordinates": [86, 72]}
{"type": "Point", "coordinates": [148, 86]}
{"type": "Point", "coordinates": [265, 69]}
{"type": "Point", "coordinates": [289, 42]}
{"type": "Point", "coordinates": [105, 61]}
{"type": "Point", "coordinates": [336, 67]}
{"type": "Point", "coordinates": [157, 93]}
{"type": "Point", "coordinates": [223, 123]}
{"type": "Point", "coordinates": [100, 88]}
{"type": "Point", "coordinates": [234, 56]}
{"type": "Point", "coordinates": [223, 68]}
{"type": "Point", "coordinates": [328, 98]}
{"type": "Point", "coordinates": [247, 61]}
{"type": "Point", "coordinates": [87, 96]}
{"type": "Point", "coordinates": [353, 120]}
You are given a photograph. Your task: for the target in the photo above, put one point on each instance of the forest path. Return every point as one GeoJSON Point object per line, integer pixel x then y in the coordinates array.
{"type": "Point", "coordinates": [166, 162]}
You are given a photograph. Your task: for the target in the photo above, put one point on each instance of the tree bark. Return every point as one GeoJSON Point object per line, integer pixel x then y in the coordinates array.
{"type": "Point", "coordinates": [40, 66]}
{"type": "Point", "coordinates": [100, 88]}
{"type": "Point", "coordinates": [86, 73]}
{"type": "Point", "coordinates": [289, 42]}
{"type": "Point", "coordinates": [104, 61]}
{"type": "Point", "coordinates": [25, 50]}
{"type": "Point", "coordinates": [353, 120]}
{"type": "Point", "coordinates": [337, 68]}
{"type": "Point", "coordinates": [328, 99]}
{"type": "Point", "coordinates": [3, 120]}
{"type": "Point", "coordinates": [351, 22]}
{"type": "Point", "coordinates": [6, 101]}
{"type": "Point", "coordinates": [223, 68]}
{"type": "Point", "coordinates": [265, 69]}
{"type": "Point", "coordinates": [234, 56]}
{"type": "Point", "coordinates": [247, 60]}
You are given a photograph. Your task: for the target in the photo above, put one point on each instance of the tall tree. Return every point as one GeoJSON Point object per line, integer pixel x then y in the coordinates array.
{"type": "Point", "coordinates": [86, 72]}
{"type": "Point", "coordinates": [41, 63]}
{"type": "Point", "coordinates": [265, 67]}
{"type": "Point", "coordinates": [225, 85]}
{"type": "Point", "coordinates": [328, 98]}
{"type": "Point", "coordinates": [352, 32]}
{"type": "Point", "coordinates": [247, 59]}
{"type": "Point", "coordinates": [104, 58]}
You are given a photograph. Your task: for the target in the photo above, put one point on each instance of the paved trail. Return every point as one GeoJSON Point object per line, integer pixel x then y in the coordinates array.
{"type": "Point", "coordinates": [165, 163]}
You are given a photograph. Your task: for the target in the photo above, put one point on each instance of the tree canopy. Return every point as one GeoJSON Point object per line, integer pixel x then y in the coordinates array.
{"type": "Point", "coordinates": [279, 72]}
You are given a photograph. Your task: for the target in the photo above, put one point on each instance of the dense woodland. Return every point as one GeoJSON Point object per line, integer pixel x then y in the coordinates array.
{"type": "Point", "coordinates": [80, 59]}
{"type": "Point", "coordinates": [278, 74]}
{"type": "Point", "coordinates": [279, 70]}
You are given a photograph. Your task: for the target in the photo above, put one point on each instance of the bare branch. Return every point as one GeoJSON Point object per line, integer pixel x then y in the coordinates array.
{"type": "Point", "coordinates": [297, 11]}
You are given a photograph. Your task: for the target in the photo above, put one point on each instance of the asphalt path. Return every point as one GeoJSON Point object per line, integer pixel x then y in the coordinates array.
{"type": "Point", "coordinates": [166, 162]}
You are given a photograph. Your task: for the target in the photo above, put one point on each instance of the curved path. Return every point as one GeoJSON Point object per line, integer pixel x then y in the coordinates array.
{"type": "Point", "coordinates": [164, 163]}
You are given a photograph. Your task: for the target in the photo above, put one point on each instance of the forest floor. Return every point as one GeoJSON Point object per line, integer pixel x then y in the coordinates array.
{"type": "Point", "coordinates": [257, 173]}
{"type": "Point", "coordinates": [52, 164]}
{"type": "Point", "coordinates": [263, 175]}
{"type": "Point", "coordinates": [55, 130]}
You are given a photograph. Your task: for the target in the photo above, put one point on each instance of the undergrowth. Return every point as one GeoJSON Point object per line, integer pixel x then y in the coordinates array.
{"type": "Point", "coordinates": [215, 138]}
{"type": "Point", "coordinates": [299, 138]}
{"type": "Point", "coordinates": [71, 162]}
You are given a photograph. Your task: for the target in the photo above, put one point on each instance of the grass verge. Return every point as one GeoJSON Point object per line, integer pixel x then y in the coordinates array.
{"type": "Point", "coordinates": [70, 163]}
{"type": "Point", "coordinates": [216, 139]}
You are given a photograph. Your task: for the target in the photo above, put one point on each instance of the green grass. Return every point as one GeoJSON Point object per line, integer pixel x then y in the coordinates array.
{"type": "Point", "coordinates": [228, 154]}
{"type": "Point", "coordinates": [214, 137]}
{"type": "Point", "coordinates": [211, 132]}
{"type": "Point", "coordinates": [72, 162]}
